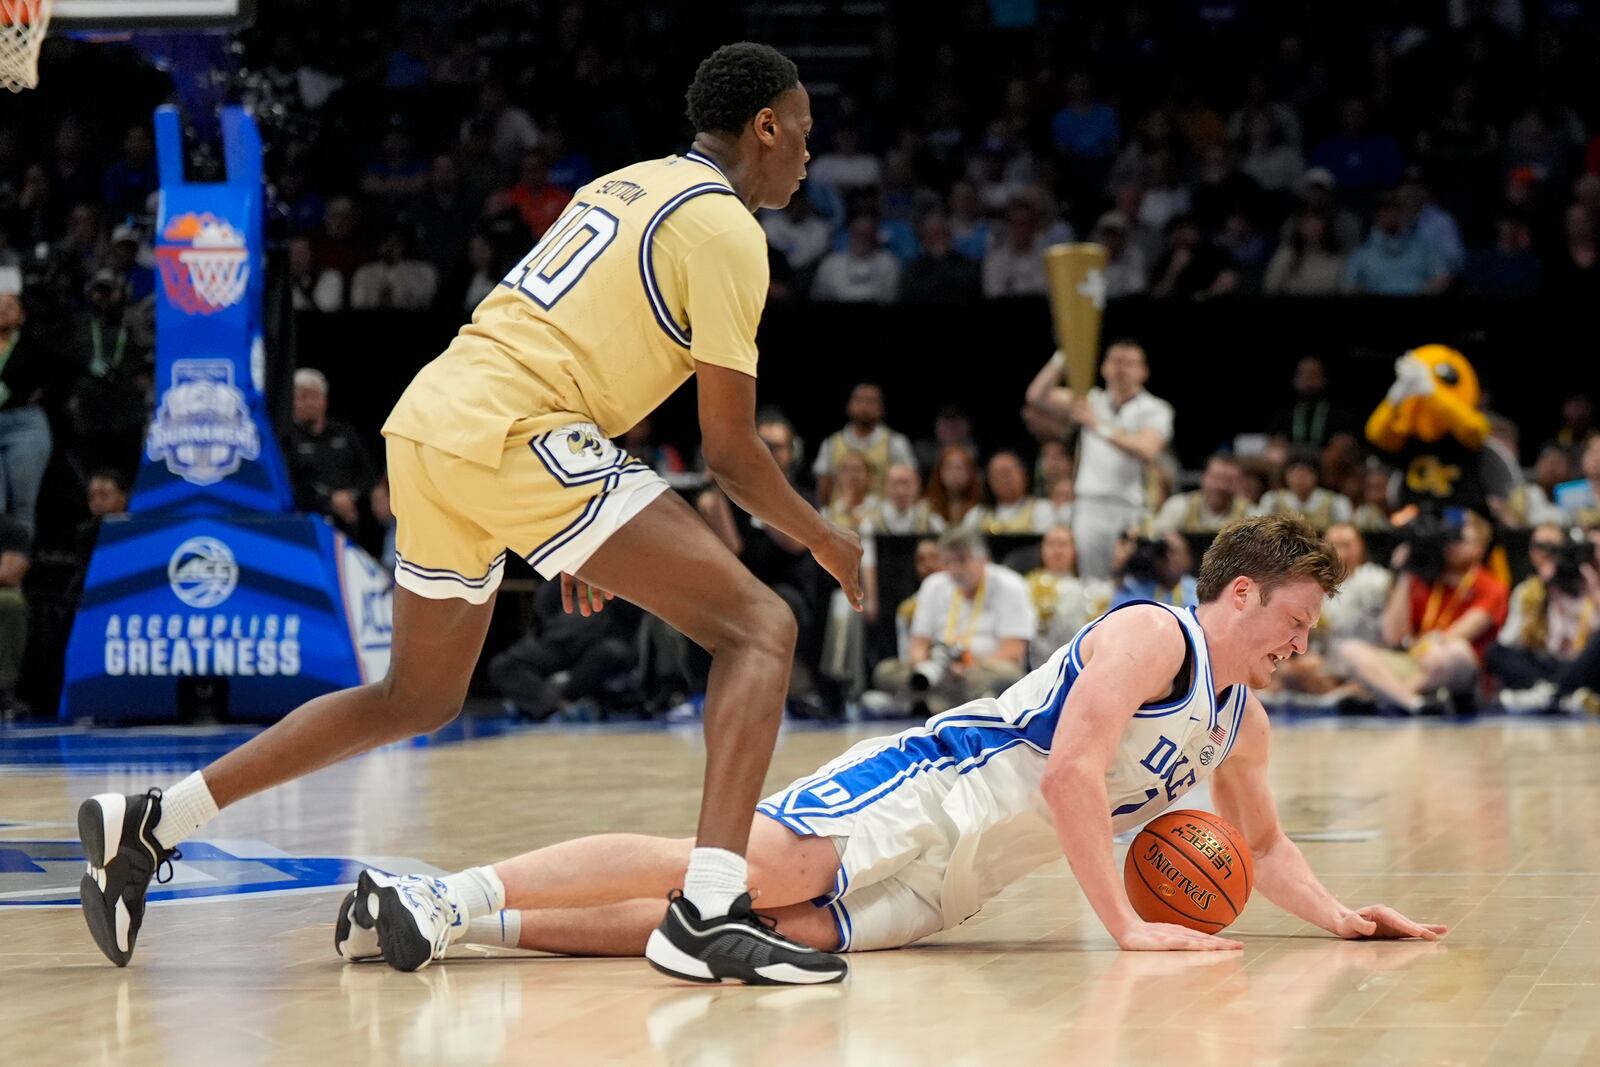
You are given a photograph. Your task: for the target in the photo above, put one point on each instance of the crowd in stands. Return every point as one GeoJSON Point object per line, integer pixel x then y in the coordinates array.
{"type": "Point", "coordinates": [416, 158]}
{"type": "Point", "coordinates": [1299, 151]}
{"type": "Point", "coordinates": [1015, 549]}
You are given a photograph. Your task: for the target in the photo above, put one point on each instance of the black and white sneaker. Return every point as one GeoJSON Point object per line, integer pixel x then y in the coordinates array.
{"type": "Point", "coordinates": [740, 945]}
{"type": "Point", "coordinates": [352, 940]}
{"type": "Point", "coordinates": [415, 917]}
{"type": "Point", "coordinates": [119, 843]}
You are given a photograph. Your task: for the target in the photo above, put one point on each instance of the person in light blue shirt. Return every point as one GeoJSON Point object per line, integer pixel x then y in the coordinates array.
{"type": "Point", "coordinates": [1395, 261]}
{"type": "Point", "coordinates": [1436, 226]}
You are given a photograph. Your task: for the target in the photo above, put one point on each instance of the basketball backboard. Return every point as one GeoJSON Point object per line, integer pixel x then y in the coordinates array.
{"type": "Point", "coordinates": [80, 16]}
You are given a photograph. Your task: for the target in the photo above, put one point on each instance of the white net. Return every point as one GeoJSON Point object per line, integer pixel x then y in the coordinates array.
{"type": "Point", "coordinates": [22, 28]}
{"type": "Point", "coordinates": [219, 277]}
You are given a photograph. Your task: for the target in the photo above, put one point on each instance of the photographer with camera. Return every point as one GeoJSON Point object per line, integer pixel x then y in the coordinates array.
{"type": "Point", "coordinates": [970, 633]}
{"type": "Point", "coordinates": [1153, 568]}
{"type": "Point", "coordinates": [1554, 613]}
{"type": "Point", "coordinates": [1441, 617]}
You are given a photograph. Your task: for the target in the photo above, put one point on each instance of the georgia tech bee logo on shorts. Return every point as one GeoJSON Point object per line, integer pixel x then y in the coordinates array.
{"type": "Point", "coordinates": [202, 429]}
{"type": "Point", "coordinates": [205, 265]}
{"type": "Point", "coordinates": [582, 441]}
{"type": "Point", "coordinates": [202, 572]}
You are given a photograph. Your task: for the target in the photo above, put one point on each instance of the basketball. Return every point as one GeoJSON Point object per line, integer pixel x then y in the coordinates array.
{"type": "Point", "coordinates": [1190, 868]}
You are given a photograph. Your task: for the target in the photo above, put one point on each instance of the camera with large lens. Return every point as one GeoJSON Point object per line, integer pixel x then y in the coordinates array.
{"type": "Point", "coordinates": [931, 671]}
{"type": "Point", "coordinates": [1428, 536]}
{"type": "Point", "coordinates": [1148, 561]}
{"type": "Point", "coordinates": [1570, 558]}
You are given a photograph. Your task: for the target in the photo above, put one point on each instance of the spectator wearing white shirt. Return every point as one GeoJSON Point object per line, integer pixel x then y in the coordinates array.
{"type": "Point", "coordinates": [1356, 611]}
{"type": "Point", "coordinates": [902, 512]}
{"type": "Point", "coordinates": [846, 167]}
{"type": "Point", "coordinates": [1434, 225]}
{"type": "Point", "coordinates": [955, 490]}
{"type": "Point", "coordinates": [1274, 163]}
{"type": "Point", "coordinates": [1126, 271]}
{"type": "Point", "coordinates": [1166, 197]}
{"type": "Point", "coordinates": [482, 272]}
{"type": "Point", "coordinates": [1064, 602]}
{"type": "Point", "coordinates": [1122, 430]}
{"type": "Point", "coordinates": [1209, 508]}
{"type": "Point", "coordinates": [1306, 263]}
{"type": "Point", "coordinates": [1011, 510]}
{"type": "Point", "coordinates": [1302, 496]}
{"type": "Point", "coordinates": [865, 434]}
{"type": "Point", "coordinates": [1014, 264]}
{"type": "Point", "coordinates": [970, 634]}
{"type": "Point", "coordinates": [863, 272]}
{"type": "Point", "coordinates": [394, 280]}
{"type": "Point", "coordinates": [1531, 503]}
{"type": "Point", "coordinates": [798, 233]}
{"type": "Point", "coordinates": [312, 289]}
{"type": "Point", "coordinates": [511, 129]}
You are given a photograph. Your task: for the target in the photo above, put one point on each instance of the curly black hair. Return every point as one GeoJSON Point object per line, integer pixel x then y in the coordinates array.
{"type": "Point", "coordinates": [735, 82]}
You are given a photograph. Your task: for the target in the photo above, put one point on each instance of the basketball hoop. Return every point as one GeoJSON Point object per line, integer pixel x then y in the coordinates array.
{"type": "Point", "coordinates": [22, 27]}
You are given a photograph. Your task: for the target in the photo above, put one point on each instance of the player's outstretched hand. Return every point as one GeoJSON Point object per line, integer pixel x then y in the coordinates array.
{"type": "Point", "coordinates": [840, 555]}
{"type": "Point", "coordinates": [588, 599]}
{"type": "Point", "coordinates": [1169, 937]}
{"type": "Point", "coordinates": [1379, 922]}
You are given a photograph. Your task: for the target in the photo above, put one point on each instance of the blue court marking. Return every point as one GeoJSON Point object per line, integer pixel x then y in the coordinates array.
{"type": "Point", "coordinates": [35, 874]}
{"type": "Point", "coordinates": [182, 748]}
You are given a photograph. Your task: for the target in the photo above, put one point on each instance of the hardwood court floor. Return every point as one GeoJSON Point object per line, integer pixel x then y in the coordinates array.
{"type": "Point", "coordinates": [1490, 828]}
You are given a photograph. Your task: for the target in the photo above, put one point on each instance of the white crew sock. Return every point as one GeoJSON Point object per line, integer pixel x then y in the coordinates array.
{"type": "Point", "coordinates": [503, 929]}
{"type": "Point", "coordinates": [715, 879]}
{"type": "Point", "coordinates": [185, 808]}
{"type": "Point", "coordinates": [479, 890]}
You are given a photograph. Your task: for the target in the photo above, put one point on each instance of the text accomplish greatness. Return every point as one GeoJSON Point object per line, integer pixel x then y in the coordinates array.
{"type": "Point", "coordinates": [202, 645]}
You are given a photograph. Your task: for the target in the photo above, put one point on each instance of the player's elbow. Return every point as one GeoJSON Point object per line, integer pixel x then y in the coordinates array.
{"type": "Point", "coordinates": [1066, 778]}
{"type": "Point", "coordinates": [726, 455]}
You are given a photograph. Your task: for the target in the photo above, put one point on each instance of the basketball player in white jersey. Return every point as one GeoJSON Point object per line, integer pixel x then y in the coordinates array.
{"type": "Point", "coordinates": [653, 274]}
{"type": "Point", "coordinates": [908, 835]}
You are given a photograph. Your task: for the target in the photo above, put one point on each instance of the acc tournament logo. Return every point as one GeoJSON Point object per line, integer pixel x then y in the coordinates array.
{"type": "Point", "coordinates": [203, 429]}
{"type": "Point", "coordinates": [205, 265]}
{"type": "Point", "coordinates": [202, 572]}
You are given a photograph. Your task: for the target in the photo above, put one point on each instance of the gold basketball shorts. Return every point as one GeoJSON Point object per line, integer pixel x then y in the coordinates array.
{"type": "Point", "coordinates": [553, 500]}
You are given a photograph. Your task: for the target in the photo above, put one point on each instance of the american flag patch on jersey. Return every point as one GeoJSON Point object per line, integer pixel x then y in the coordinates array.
{"type": "Point", "coordinates": [1218, 734]}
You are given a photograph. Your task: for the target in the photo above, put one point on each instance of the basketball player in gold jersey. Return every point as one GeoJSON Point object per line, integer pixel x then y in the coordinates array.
{"type": "Point", "coordinates": [654, 273]}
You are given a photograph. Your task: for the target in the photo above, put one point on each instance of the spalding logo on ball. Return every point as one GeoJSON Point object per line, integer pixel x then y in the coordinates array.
{"type": "Point", "coordinates": [205, 266]}
{"type": "Point", "coordinates": [1190, 868]}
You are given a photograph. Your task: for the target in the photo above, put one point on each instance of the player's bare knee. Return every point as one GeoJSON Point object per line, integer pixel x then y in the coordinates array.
{"type": "Point", "coordinates": [419, 708]}
{"type": "Point", "coordinates": [770, 624]}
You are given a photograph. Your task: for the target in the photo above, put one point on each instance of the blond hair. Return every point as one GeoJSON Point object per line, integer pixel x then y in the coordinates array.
{"type": "Point", "coordinates": [1269, 550]}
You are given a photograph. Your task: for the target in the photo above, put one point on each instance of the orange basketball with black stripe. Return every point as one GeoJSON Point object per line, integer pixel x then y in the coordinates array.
{"type": "Point", "coordinates": [1190, 868]}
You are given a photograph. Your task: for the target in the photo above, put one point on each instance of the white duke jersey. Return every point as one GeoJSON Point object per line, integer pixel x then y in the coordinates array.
{"type": "Point", "coordinates": [963, 793]}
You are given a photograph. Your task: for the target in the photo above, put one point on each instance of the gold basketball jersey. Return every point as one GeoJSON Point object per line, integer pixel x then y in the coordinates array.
{"type": "Point", "coordinates": [649, 269]}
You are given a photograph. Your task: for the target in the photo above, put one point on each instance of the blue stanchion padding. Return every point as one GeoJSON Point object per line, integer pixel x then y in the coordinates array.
{"type": "Point", "coordinates": [210, 449]}
{"type": "Point", "coordinates": [282, 607]}
{"type": "Point", "coordinates": [212, 576]}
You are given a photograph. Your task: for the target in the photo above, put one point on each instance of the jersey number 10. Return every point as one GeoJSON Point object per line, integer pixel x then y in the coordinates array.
{"type": "Point", "coordinates": [562, 255]}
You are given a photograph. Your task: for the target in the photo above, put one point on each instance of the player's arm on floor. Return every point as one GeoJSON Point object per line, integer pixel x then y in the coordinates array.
{"type": "Point", "coordinates": [1243, 797]}
{"type": "Point", "coordinates": [1130, 658]}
